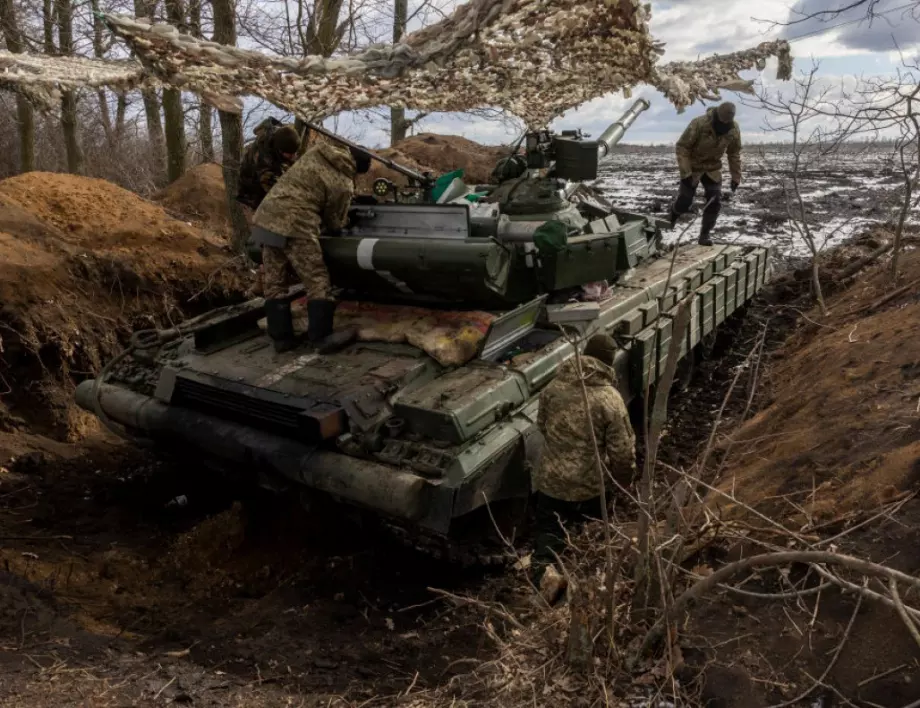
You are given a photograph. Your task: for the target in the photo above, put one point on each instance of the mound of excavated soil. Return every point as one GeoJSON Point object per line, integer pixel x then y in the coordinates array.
{"type": "Point", "coordinates": [439, 154]}
{"type": "Point", "coordinates": [198, 196]}
{"type": "Point", "coordinates": [841, 432]}
{"type": "Point", "coordinates": [82, 263]}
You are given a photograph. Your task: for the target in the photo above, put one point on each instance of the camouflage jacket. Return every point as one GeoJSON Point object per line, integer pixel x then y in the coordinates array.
{"type": "Point", "coordinates": [314, 193]}
{"type": "Point", "coordinates": [261, 166]}
{"type": "Point", "coordinates": [700, 150]}
{"type": "Point", "coordinates": [567, 469]}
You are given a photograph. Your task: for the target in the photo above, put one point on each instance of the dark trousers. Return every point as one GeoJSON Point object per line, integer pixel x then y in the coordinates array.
{"type": "Point", "coordinates": [712, 193]}
{"type": "Point", "coordinates": [553, 518]}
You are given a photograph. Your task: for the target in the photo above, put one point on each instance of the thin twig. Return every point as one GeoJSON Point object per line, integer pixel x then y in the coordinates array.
{"type": "Point", "coordinates": [764, 560]}
{"type": "Point", "coordinates": [830, 665]}
{"type": "Point", "coordinates": [902, 611]}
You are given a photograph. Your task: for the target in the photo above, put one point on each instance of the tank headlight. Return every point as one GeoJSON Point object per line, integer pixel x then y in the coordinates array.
{"type": "Point", "coordinates": [382, 187]}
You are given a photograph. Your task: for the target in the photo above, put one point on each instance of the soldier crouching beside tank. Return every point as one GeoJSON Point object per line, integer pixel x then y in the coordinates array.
{"type": "Point", "coordinates": [313, 194]}
{"type": "Point", "coordinates": [699, 158]}
{"type": "Point", "coordinates": [566, 481]}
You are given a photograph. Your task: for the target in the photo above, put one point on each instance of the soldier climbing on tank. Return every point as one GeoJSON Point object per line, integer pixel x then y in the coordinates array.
{"type": "Point", "coordinates": [313, 194]}
{"type": "Point", "coordinates": [566, 482]}
{"type": "Point", "coordinates": [699, 158]}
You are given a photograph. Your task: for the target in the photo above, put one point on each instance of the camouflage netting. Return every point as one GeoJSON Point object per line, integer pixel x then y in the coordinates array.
{"type": "Point", "coordinates": [534, 58]}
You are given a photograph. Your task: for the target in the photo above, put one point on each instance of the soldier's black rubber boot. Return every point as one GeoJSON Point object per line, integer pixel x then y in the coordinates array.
{"type": "Point", "coordinates": [321, 314]}
{"type": "Point", "coordinates": [280, 324]}
{"type": "Point", "coordinates": [674, 216]}
{"type": "Point", "coordinates": [709, 221]}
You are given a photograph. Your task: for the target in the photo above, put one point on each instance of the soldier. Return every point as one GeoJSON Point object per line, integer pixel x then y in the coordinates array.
{"type": "Point", "coordinates": [566, 481]}
{"type": "Point", "coordinates": [699, 158]}
{"type": "Point", "coordinates": [265, 159]}
{"type": "Point", "coordinates": [313, 194]}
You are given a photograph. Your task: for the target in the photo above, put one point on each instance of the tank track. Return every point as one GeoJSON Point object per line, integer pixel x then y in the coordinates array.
{"type": "Point", "coordinates": [464, 554]}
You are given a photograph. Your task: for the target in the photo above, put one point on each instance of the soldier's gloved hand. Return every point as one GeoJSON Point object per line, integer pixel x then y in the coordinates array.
{"type": "Point", "coordinates": [734, 186]}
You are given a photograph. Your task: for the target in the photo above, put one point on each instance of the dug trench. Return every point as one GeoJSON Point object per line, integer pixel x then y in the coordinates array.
{"type": "Point", "coordinates": [130, 581]}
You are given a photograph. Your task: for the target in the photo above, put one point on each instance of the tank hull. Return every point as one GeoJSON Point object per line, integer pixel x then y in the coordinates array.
{"type": "Point", "coordinates": [385, 427]}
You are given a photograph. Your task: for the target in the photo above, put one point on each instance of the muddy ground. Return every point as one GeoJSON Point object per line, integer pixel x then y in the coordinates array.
{"type": "Point", "coordinates": [845, 193]}
{"type": "Point", "coordinates": [128, 580]}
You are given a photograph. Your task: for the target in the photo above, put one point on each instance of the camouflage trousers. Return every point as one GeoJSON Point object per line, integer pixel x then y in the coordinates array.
{"type": "Point", "coordinates": [306, 257]}
{"type": "Point", "coordinates": [553, 519]}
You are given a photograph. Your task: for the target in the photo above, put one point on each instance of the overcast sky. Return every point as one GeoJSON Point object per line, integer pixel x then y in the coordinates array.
{"type": "Point", "coordinates": [845, 46]}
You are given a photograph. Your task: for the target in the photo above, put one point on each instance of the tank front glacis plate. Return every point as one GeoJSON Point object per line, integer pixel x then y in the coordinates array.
{"type": "Point", "coordinates": [456, 406]}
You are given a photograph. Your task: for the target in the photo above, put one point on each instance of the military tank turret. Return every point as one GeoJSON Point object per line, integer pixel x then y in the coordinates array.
{"type": "Point", "coordinates": [428, 436]}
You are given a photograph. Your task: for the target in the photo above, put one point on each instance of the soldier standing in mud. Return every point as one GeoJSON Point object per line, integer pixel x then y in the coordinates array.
{"type": "Point", "coordinates": [699, 158]}
{"type": "Point", "coordinates": [566, 481]}
{"type": "Point", "coordinates": [313, 194]}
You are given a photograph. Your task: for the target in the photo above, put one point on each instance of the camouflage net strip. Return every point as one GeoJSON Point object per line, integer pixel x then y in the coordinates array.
{"type": "Point", "coordinates": [534, 58]}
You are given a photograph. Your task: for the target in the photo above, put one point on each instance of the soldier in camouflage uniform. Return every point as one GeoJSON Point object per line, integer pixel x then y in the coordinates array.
{"type": "Point", "coordinates": [265, 159]}
{"type": "Point", "coordinates": [313, 194]}
{"type": "Point", "coordinates": [566, 480]}
{"type": "Point", "coordinates": [699, 158]}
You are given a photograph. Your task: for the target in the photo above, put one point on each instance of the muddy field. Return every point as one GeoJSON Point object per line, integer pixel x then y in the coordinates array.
{"type": "Point", "coordinates": [844, 194]}
{"type": "Point", "coordinates": [127, 580]}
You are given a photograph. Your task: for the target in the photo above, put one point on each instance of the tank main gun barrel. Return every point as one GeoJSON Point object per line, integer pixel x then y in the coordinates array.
{"type": "Point", "coordinates": [395, 166]}
{"type": "Point", "coordinates": [616, 130]}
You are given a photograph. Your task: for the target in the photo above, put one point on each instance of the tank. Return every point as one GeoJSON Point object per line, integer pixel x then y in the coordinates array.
{"type": "Point", "coordinates": [440, 450]}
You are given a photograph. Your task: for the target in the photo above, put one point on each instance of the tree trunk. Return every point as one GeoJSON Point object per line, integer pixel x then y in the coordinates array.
{"type": "Point", "coordinates": [120, 111]}
{"type": "Point", "coordinates": [99, 52]}
{"type": "Point", "coordinates": [48, 26]}
{"type": "Point", "coordinates": [398, 125]}
{"type": "Point", "coordinates": [174, 120]}
{"type": "Point", "coordinates": [26, 116]}
{"type": "Point", "coordinates": [231, 129]}
{"type": "Point", "coordinates": [205, 127]}
{"type": "Point", "coordinates": [69, 123]}
{"type": "Point", "coordinates": [173, 113]}
{"type": "Point", "coordinates": [206, 132]}
{"type": "Point", "coordinates": [24, 113]}
{"type": "Point", "coordinates": [145, 9]}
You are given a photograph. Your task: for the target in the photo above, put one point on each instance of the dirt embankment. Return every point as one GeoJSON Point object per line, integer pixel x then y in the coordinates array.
{"type": "Point", "coordinates": [199, 197]}
{"type": "Point", "coordinates": [82, 264]}
{"type": "Point", "coordinates": [839, 431]}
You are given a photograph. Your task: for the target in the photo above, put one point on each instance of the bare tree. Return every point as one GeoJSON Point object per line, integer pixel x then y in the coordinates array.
{"type": "Point", "coordinates": [48, 15]}
{"type": "Point", "coordinates": [173, 113]}
{"type": "Point", "coordinates": [146, 9]}
{"type": "Point", "coordinates": [231, 128]}
{"type": "Point", "coordinates": [815, 128]}
{"type": "Point", "coordinates": [908, 149]}
{"type": "Point", "coordinates": [846, 13]}
{"type": "Point", "coordinates": [113, 131]}
{"type": "Point", "coordinates": [75, 161]}
{"type": "Point", "coordinates": [205, 128]}
{"type": "Point", "coordinates": [890, 104]}
{"type": "Point", "coordinates": [12, 34]}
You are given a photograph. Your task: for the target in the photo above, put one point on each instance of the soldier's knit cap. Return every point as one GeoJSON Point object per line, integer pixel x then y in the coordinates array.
{"type": "Point", "coordinates": [601, 347]}
{"type": "Point", "coordinates": [726, 112]}
{"type": "Point", "coordinates": [286, 139]}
